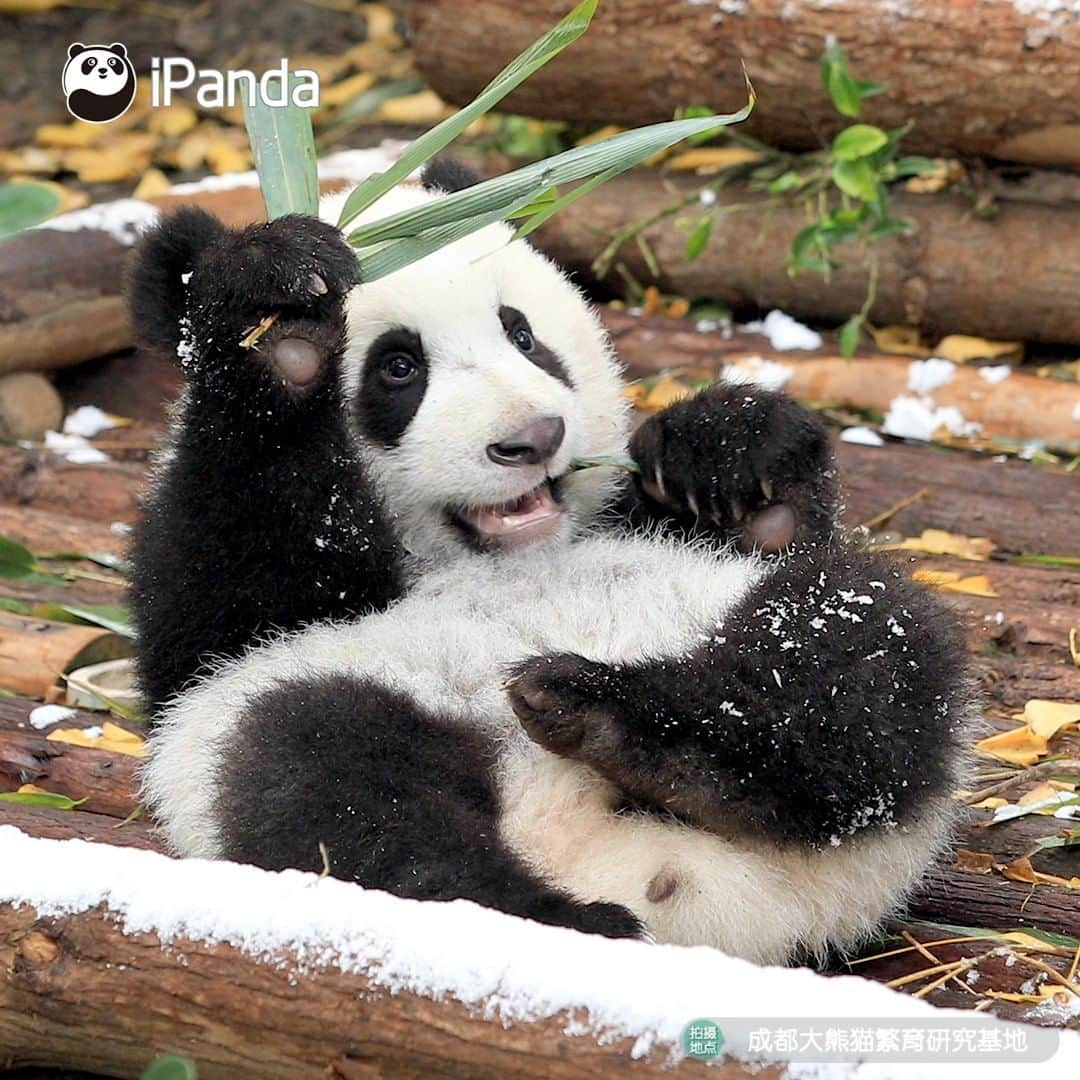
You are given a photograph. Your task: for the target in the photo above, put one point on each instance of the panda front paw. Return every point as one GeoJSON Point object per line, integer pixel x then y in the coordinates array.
{"type": "Point", "coordinates": [565, 704]}
{"type": "Point", "coordinates": [750, 464]}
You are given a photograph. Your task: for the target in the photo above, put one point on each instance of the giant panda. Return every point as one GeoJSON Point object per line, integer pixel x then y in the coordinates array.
{"type": "Point", "coordinates": [386, 628]}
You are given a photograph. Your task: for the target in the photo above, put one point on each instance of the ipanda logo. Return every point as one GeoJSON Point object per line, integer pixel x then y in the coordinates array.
{"type": "Point", "coordinates": [99, 83]}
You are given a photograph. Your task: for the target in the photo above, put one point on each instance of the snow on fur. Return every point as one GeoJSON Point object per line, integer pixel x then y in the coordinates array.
{"type": "Point", "coordinates": [509, 968]}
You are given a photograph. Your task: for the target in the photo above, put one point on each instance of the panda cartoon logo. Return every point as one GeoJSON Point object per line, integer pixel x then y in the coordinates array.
{"type": "Point", "coordinates": [99, 82]}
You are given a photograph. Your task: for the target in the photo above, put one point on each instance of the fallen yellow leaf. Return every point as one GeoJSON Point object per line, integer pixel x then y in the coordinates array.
{"type": "Point", "coordinates": [425, 107]}
{"type": "Point", "coordinates": [1021, 746]}
{"type": "Point", "coordinates": [991, 803]}
{"type": "Point", "coordinates": [711, 159]}
{"type": "Point", "coordinates": [974, 862]}
{"type": "Point", "coordinates": [1037, 794]}
{"type": "Point", "coordinates": [1047, 718]}
{"type": "Point", "coordinates": [113, 739]}
{"type": "Point", "coordinates": [154, 182]}
{"type": "Point", "coordinates": [68, 136]}
{"type": "Point", "coordinates": [106, 165]}
{"type": "Point", "coordinates": [32, 789]}
{"type": "Point", "coordinates": [347, 89]}
{"type": "Point", "coordinates": [960, 348]}
{"type": "Point", "coordinates": [381, 23]}
{"type": "Point", "coordinates": [901, 340]}
{"type": "Point", "coordinates": [949, 581]}
{"type": "Point", "coordinates": [940, 542]}
{"type": "Point", "coordinates": [224, 158]}
{"type": "Point", "coordinates": [666, 392]}
{"type": "Point", "coordinates": [173, 120]}
{"type": "Point", "coordinates": [1022, 870]}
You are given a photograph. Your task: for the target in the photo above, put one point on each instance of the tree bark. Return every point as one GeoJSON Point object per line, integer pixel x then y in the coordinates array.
{"type": "Point", "coordinates": [1016, 96]}
{"type": "Point", "coordinates": [80, 993]}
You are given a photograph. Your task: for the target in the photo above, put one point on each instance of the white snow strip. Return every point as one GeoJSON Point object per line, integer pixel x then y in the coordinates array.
{"type": "Point", "coordinates": [861, 436]}
{"type": "Point", "coordinates": [919, 418]}
{"type": "Point", "coordinates": [1076, 412]}
{"type": "Point", "coordinates": [757, 371]}
{"type": "Point", "coordinates": [784, 332]}
{"type": "Point", "coordinates": [46, 715]}
{"type": "Point", "coordinates": [995, 374]}
{"type": "Point", "coordinates": [122, 219]}
{"type": "Point", "coordinates": [513, 969]}
{"type": "Point", "coordinates": [88, 421]}
{"type": "Point", "coordinates": [926, 376]}
{"type": "Point", "coordinates": [74, 448]}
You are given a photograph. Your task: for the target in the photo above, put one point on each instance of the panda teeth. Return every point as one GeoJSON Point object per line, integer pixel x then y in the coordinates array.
{"type": "Point", "coordinates": [527, 517]}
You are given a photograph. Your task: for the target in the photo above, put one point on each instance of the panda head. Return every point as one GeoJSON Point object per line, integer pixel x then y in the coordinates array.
{"type": "Point", "coordinates": [474, 378]}
{"type": "Point", "coordinates": [99, 81]}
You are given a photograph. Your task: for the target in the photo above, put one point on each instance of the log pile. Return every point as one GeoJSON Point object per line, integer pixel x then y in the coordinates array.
{"type": "Point", "coordinates": [1016, 96]}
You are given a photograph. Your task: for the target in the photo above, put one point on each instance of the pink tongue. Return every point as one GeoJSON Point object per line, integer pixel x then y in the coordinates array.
{"type": "Point", "coordinates": [532, 509]}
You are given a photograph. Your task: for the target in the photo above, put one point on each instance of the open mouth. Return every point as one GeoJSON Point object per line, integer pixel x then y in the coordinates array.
{"type": "Point", "coordinates": [532, 515]}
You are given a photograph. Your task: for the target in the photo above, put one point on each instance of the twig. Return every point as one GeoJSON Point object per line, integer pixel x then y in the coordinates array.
{"type": "Point", "coordinates": [258, 331]}
{"type": "Point", "coordinates": [903, 504]}
{"type": "Point", "coordinates": [1055, 975]}
{"type": "Point", "coordinates": [934, 960]}
{"type": "Point", "coordinates": [1032, 772]}
{"type": "Point", "coordinates": [963, 965]}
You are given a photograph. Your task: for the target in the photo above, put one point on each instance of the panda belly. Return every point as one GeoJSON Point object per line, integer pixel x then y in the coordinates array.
{"type": "Point", "coordinates": [448, 645]}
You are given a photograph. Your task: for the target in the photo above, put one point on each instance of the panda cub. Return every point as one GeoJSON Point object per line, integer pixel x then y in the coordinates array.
{"type": "Point", "coordinates": [383, 623]}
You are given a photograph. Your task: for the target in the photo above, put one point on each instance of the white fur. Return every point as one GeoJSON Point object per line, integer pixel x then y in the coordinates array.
{"type": "Point", "coordinates": [447, 645]}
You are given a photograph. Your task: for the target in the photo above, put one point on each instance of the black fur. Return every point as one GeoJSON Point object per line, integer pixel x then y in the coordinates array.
{"type": "Point", "coordinates": [263, 518]}
{"type": "Point", "coordinates": [544, 358]}
{"type": "Point", "coordinates": [382, 409]}
{"type": "Point", "coordinates": [447, 174]}
{"type": "Point", "coordinates": [398, 801]}
{"type": "Point", "coordinates": [811, 715]}
{"type": "Point", "coordinates": [712, 464]}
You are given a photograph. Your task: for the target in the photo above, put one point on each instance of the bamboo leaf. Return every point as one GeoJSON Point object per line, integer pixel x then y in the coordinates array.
{"type": "Point", "coordinates": [24, 203]}
{"type": "Point", "coordinates": [16, 561]}
{"type": "Point", "coordinates": [283, 146]}
{"type": "Point", "coordinates": [564, 33]}
{"type": "Point", "coordinates": [108, 616]}
{"type": "Point", "coordinates": [46, 799]}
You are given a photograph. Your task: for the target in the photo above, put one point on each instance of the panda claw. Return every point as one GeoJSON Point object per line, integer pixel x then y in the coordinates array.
{"type": "Point", "coordinates": [692, 503]}
{"type": "Point", "coordinates": [768, 490]}
{"type": "Point", "coordinates": [317, 285]}
{"type": "Point", "coordinates": [737, 511]}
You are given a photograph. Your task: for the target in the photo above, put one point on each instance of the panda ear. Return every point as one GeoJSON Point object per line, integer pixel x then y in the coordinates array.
{"type": "Point", "coordinates": [447, 174]}
{"type": "Point", "coordinates": [118, 48]}
{"type": "Point", "coordinates": [75, 48]}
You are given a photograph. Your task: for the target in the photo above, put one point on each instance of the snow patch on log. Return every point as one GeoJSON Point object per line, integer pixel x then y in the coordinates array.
{"type": "Point", "coordinates": [122, 219]}
{"type": "Point", "coordinates": [508, 968]}
{"type": "Point", "coordinates": [861, 436]}
{"type": "Point", "coordinates": [926, 376]}
{"type": "Point", "coordinates": [784, 332]}
{"type": "Point", "coordinates": [919, 418]}
{"type": "Point", "coordinates": [757, 371]}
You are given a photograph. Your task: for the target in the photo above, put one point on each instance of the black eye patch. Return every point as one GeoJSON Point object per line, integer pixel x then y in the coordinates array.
{"type": "Point", "coordinates": [521, 336]}
{"type": "Point", "coordinates": [89, 64]}
{"type": "Point", "coordinates": [392, 386]}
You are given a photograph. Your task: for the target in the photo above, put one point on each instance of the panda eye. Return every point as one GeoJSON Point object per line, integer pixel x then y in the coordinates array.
{"type": "Point", "coordinates": [399, 369]}
{"type": "Point", "coordinates": [523, 339]}
{"type": "Point", "coordinates": [88, 65]}
{"type": "Point", "coordinates": [114, 64]}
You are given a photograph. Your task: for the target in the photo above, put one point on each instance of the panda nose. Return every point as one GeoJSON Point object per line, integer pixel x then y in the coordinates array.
{"type": "Point", "coordinates": [536, 442]}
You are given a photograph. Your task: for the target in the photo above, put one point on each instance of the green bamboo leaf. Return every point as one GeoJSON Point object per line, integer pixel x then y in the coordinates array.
{"type": "Point", "coordinates": [24, 203]}
{"type": "Point", "coordinates": [170, 1067]}
{"type": "Point", "coordinates": [611, 461]}
{"type": "Point", "coordinates": [16, 607]}
{"type": "Point", "coordinates": [16, 561]}
{"type": "Point", "coordinates": [856, 178]}
{"type": "Point", "coordinates": [108, 616]}
{"type": "Point", "coordinates": [913, 165]}
{"type": "Point", "coordinates": [564, 33]}
{"type": "Point", "coordinates": [546, 213]}
{"type": "Point", "coordinates": [424, 229]}
{"type": "Point", "coordinates": [858, 141]}
{"type": "Point", "coordinates": [849, 336]}
{"type": "Point", "coordinates": [698, 240]}
{"type": "Point", "coordinates": [46, 799]}
{"type": "Point", "coordinates": [283, 146]}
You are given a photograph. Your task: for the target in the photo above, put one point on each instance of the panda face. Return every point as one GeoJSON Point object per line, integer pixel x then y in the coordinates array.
{"type": "Point", "coordinates": [99, 71]}
{"type": "Point", "coordinates": [474, 378]}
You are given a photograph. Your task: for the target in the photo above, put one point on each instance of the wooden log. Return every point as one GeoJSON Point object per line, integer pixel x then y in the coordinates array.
{"type": "Point", "coordinates": [79, 825]}
{"type": "Point", "coordinates": [1016, 96]}
{"type": "Point", "coordinates": [34, 652]}
{"type": "Point", "coordinates": [1011, 278]}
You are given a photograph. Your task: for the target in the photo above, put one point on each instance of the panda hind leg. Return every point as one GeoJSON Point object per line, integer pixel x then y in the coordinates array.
{"type": "Point", "coordinates": [339, 771]}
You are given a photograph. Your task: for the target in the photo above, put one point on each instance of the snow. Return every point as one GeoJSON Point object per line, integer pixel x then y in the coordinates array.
{"type": "Point", "coordinates": [919, 418]}
{"type": "Point", "coordinates": [120, 528]}
{"type": "Point", "coordinates": [926, 376]}
{"type": "Point", "coordinates": [784, 332]}
{"type": "Point", "coordinates": [995, 374]}
{"type": "Point", "coordinates": [122, 219]}
{"type": "Point", "coordinates": [1076, 412]}
{"type": "Point", "coordinates": [1057, 11]}
{"type": "Point", "coordinates": [757, 371]}
{"type": "Point", "coordinates": [861, 436]}
{"type": "Point", "coordinates": [46, 715]}
{"type": "Point", "coordinates": [510, 969]}
{"type": "Point", "coordinates": [74, 448]}
{"type": "Point", "coordinates": [88, 421]}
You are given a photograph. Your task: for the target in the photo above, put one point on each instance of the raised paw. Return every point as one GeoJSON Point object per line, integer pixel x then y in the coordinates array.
{"type": "Point", "coordinates": [608, 920]}
{"type": "Point", "coordinates": [563, 704]}
{"type": "Point", "coordinates": [749, 463]}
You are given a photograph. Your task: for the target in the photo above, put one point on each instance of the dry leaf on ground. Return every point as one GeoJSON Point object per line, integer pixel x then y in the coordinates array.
{"type": "Point", "coordinates": [112, 738]}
